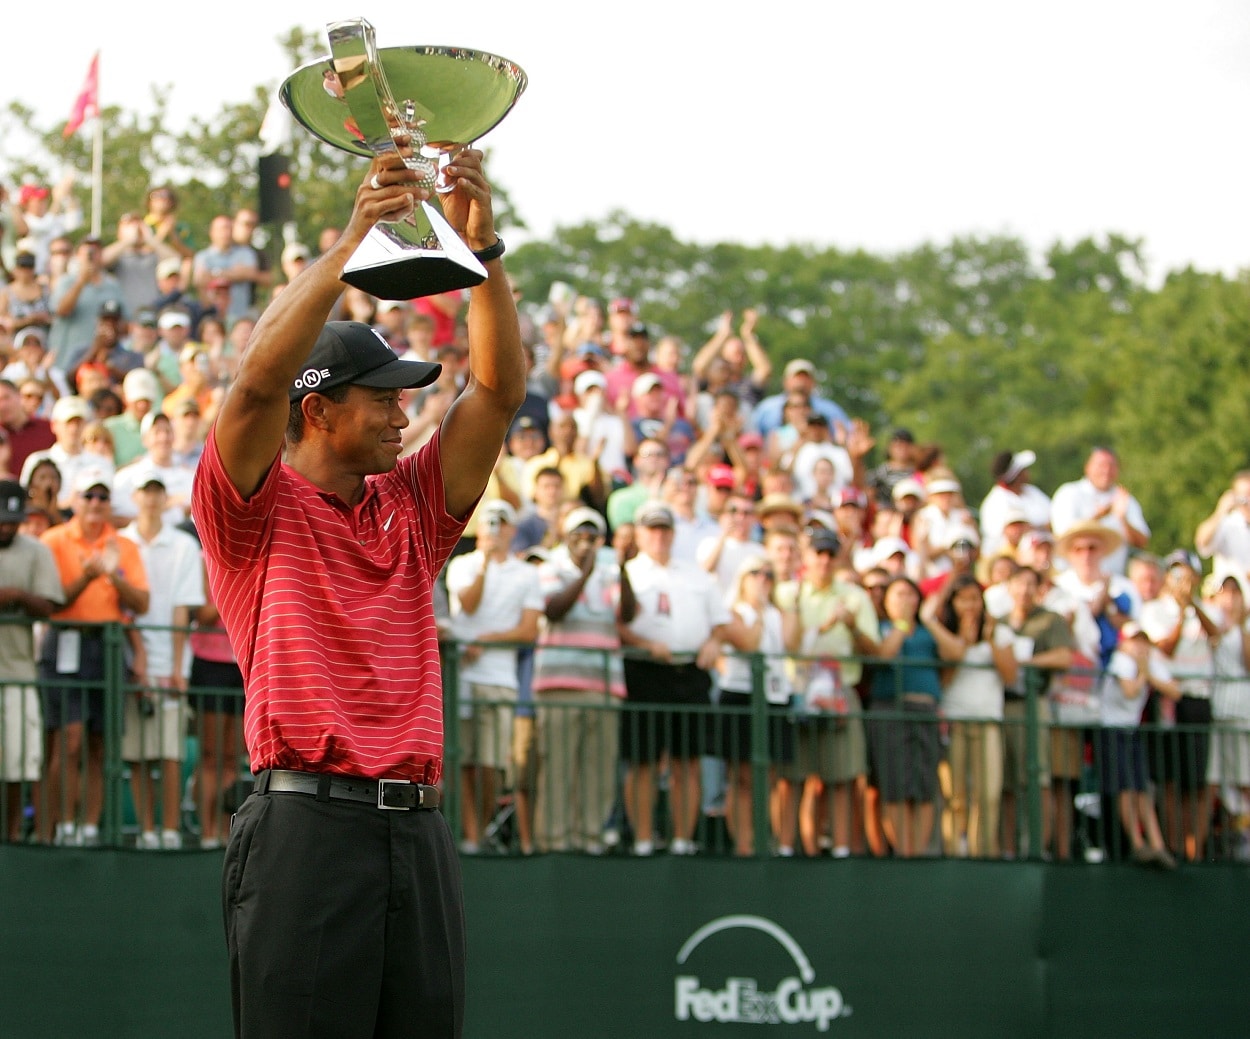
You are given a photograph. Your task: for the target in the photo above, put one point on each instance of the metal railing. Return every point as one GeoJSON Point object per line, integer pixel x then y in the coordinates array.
{"type": "Point", "coordinates": [557, 781]}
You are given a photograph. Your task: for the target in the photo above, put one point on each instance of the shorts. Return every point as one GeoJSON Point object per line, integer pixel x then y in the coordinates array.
{"type": "Point", "coordinates": [1180, 755]}
{"type": "Point", "coordinates": [1122, 760]}
{"type": "Point", "coordinates": [905, 749]}
{"type": "Point", "coordinates": [648, 733]}
{"type": "Point", "coordinates": [1229, 760]}
{"type": "Point", "coordinates": [833, 750]}
{"type": "Point", "coordinates": [22, 724]}
{"type": "Point", "coordinates": [1015, 745]}
{"type": "Point", "coordinates": [486, 735]}
{"type": "Point", "coordinates": [80, 702]}
{"type": "Point", "coordinates": [732, 730]}
{"type": "Point", "coordinates": [159, 735]}
{"type": "Point", "coordinates": [1067, 753]}
{"type": "Point", "coordinates": [216, 674]}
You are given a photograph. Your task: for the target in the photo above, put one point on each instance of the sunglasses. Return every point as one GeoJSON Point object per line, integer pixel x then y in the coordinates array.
{"type": "Point", "coordinates": [768, 575]}
{"type": "Point", "coordinates": [96, 496]}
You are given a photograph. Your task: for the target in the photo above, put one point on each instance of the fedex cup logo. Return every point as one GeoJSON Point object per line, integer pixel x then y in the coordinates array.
{"type": "Point", "coordinates": [312, 378]}
{"type": "Point", "coordinates": [794, 1001]}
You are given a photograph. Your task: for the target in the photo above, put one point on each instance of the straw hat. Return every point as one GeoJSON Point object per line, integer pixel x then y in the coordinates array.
{"type": "Point", "coordinates": [1110, 539]}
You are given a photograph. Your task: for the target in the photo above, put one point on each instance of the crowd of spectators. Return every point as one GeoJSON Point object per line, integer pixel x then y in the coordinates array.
{"type": "Point", "coordinates": [660, 513]}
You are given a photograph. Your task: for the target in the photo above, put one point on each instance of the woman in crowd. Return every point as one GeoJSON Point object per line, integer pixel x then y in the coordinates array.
{"type": "Point", "coordinates": [1228, 765]}
{"type": "Point", "coordinates": [758, 627]}
{"type": "Point", "coordinates": [1135, 668]}
{"type": "Point", "coordinates": [24, 301]}
{"type": "Point", "coordinates": [903, 727]}
{"type": "Point", "coordinates": [6, 456]}
{"type": "Point", "coordinates": [984, 661]}
{"type": "Point", "coordinates": [43, 489]}
{"type": "Point", "coordinates": [96, 439]}
{"type": "Point", "coordinates": [216, 686]}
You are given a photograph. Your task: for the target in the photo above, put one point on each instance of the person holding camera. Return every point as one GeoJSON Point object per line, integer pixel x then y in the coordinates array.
{"type": "Point", "coordinates": [1224, 536]}
{"type": "Point", "coordinates": [133, 258]}
{"type": "Point", "coordinates": [577, 676]}
{"type": "Point", "coordinates": [494, 599]}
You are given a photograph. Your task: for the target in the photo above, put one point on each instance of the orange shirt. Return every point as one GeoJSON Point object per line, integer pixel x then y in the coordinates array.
{"type": "Point", "coordinates": [183, 392]}
{"type": "Point", "coordinates": [98, 601]}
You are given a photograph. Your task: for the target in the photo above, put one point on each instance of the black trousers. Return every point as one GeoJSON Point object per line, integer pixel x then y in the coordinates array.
{"type": "Point", "coordinates": [343, 921]}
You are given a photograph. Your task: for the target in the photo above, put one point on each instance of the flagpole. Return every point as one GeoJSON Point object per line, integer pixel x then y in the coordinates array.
{"type": "Point", "coordinates": [87, 106]}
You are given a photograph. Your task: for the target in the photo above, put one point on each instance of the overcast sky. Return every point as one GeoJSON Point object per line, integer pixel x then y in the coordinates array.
{"type": "Point", "coordinates": [879, 125]}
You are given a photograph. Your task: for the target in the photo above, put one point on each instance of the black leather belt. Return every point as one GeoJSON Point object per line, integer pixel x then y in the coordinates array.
{"type": "Point", "coordinates": [388, 794]}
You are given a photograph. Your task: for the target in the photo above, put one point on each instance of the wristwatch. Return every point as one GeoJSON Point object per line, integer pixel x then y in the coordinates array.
{"type": "Point", "coordinates": [491, 252]}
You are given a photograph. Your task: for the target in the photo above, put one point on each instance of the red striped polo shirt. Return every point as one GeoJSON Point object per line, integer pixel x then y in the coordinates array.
{"type": "Point", "coordinates": [330, 610]}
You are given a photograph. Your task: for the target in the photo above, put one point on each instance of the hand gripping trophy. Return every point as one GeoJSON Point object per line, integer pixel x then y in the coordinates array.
{"type": "Point", "coordinates": [424, 103]}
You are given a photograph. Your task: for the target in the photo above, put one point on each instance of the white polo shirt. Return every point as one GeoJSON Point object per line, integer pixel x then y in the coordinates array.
{"type": "Point", "coordinates": [678, 604]}
{"type": "Point", "coordinates": [1079, 500]}
{"type": "Point", "coordinates": [511, 587]}
{"type": "Point", "coordinates": [1230, 547]}
{"type": "Point", "coordinates": [172, 561]}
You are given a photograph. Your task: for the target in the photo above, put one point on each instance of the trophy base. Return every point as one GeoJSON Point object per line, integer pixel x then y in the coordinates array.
{"type": "Point", "coordinates": [389, 266]}
{"type": "Point", "coordinates": [412, 277]}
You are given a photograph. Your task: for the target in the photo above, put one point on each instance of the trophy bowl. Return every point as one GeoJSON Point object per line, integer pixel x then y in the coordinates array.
{"type": "Point", "coordinates": [424, 103]}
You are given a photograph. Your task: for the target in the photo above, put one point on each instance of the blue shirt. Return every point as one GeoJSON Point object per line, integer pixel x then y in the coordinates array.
{"type": "Point", "coordinates": [891, 679]}
{"type": "Point", "coordinates": [767, 414]}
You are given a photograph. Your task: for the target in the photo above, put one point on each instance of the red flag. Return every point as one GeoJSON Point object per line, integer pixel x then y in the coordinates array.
{"type": "Point", "coordinates": [88, 104]}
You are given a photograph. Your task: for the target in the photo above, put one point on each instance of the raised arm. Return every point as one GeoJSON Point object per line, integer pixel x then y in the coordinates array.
{"type": "Point", "coordinates": [711, 349]}
{"type": "Point", "coordinates": [253, 418]}
{"type": "Point", "coordinates": [476, 424]}
{"type": "Point", "coordinates": [761, 365]}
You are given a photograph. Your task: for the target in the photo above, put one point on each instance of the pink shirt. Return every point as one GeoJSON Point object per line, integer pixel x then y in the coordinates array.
{"type": "Point", "coordinates": [330, 610]}
{"type": "Point", "coordinates": [620, 379]}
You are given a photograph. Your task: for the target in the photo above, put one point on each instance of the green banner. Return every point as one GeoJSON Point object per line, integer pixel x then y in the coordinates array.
{"type": "Point", "coordinates": [129, 944]}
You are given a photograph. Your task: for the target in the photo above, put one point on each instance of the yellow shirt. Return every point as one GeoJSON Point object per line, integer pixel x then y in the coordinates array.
{"type": "Point", "coordinates": [578, 472]}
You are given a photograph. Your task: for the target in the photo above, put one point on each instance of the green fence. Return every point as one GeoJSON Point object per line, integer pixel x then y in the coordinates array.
{"type": "Point", "coordinates": [1048, 800]}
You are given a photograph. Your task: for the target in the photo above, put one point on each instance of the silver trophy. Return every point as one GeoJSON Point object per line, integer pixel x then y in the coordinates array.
{"type": "Point", "coordinates": [423, 103]}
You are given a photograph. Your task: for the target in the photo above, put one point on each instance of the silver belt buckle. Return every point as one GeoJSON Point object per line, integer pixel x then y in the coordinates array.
{"type": "Point", "coordinates": [382, 784]}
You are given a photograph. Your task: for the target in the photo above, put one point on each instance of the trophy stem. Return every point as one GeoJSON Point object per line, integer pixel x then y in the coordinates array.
{"type": "Point", "coordinates": [388, 266]}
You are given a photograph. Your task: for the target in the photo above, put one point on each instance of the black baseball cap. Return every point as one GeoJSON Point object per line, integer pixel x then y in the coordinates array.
{"type": "Point", "coordinates": [352, 353]}
{"type": "Point", "coordinates": [825, 541]}
{"type": "Point", "coordinates": [12, 502]}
